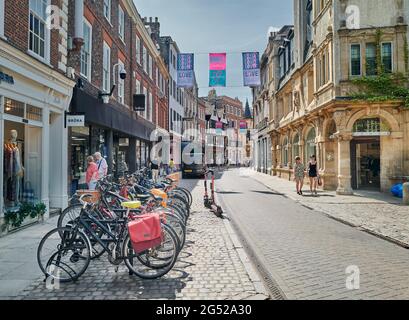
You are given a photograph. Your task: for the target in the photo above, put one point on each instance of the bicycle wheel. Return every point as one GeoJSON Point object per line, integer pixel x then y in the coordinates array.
{"type": "Point", "coordinates": [179, 211]}
{"type": "Point", "coordinates": [177, 224]}
{"type": "Point", "coordinates": [69, 217]}
{"type": "Point", "coordinates": [64, 258]}
{"type": "Point", "coordinates": [188, 193]}
{"type": "Point", "coordinates": [153, 263]}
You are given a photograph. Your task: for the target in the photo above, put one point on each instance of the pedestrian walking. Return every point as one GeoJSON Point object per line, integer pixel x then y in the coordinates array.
{"type": "Point", "coordinates": [92, 174]}
{"type": "Point", "coordinates": [313, 174]}
{"type": "Point", "coordinates": [101, 164]}
{"type": "Point", "coordinates": [155, 171]}
{"type": "Point", "coordinates": [299, 174]}
{"type": "Point", "coordinates": [172, 165]}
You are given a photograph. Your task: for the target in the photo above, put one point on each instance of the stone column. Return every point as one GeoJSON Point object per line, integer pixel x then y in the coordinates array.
{"type": "Point", "coordinates": [344, 164]}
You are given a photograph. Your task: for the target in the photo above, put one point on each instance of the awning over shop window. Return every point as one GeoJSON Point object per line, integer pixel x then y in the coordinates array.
{"type": "Point", "coordinates": [106, 115]}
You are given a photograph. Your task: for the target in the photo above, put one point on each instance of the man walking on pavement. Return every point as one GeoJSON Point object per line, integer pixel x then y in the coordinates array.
{"type": "Point", "coordinates": [101, 164]}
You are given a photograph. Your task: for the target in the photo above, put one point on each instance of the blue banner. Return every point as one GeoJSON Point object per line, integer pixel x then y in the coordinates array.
{"type": "Point", "coordinates": [251, 69]}
{"type": "Point", "coordinates": [185, 70]}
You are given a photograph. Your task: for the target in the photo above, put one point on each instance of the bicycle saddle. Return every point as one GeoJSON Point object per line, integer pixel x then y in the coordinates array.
{"type": "Point", "coordinates": [131, 204]}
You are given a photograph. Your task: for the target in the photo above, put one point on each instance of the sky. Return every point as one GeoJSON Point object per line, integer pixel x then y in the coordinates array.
{"type": "Point", "coordinates": [214, 26]}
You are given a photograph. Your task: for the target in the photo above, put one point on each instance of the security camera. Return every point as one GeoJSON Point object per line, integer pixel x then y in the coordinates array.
{"type": "Point", "coordinates": [122, 74]}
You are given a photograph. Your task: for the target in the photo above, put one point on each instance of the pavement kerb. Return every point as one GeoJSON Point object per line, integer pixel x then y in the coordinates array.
{"type": "Point", "coordinates": [246, 261]}
{"type": "Point", "coordinates": [235, 233]}
{"type": "Point", "coordinates": [343, 221]}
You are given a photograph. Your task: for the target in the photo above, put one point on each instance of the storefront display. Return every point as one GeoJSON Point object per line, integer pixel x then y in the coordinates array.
{"type": "Point", "coordinates": [21, 157]}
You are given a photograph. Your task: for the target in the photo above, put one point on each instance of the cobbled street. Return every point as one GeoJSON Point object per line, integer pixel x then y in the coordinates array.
{"type": "Point", "coordinates": [209, 267]}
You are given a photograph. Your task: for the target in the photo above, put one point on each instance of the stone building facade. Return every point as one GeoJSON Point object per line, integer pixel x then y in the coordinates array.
{"type": "Point", "coordinates": [358, 143]}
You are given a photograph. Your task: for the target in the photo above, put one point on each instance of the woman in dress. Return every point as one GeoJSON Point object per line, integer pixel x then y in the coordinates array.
{"type": "Point", "coordinates": [313, 174]}
{"type": "Point", "coordinates": [299, 174]}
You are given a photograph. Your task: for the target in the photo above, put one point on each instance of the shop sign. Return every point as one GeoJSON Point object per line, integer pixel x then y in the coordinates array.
{"type": "Point", "coordinates": [75, 120]}
{"type": "Point", "coordinates": [6, 78]}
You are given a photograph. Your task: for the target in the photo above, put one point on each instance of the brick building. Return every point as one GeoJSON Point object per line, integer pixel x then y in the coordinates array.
{"type": "Point", "coordinates": [34, 95]}
{"type": "Point", "coordinates": [115, 41]}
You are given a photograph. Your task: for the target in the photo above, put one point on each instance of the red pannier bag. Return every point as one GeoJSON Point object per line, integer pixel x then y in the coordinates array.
{"type": "Point", "coordinates": [145, 232]}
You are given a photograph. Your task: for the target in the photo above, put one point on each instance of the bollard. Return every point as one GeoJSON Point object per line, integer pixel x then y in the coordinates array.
{"type": "Point", "coordinates": [406, 193]}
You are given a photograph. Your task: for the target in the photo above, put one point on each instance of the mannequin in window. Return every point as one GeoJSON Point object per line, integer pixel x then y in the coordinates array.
{"type": "Point", "coordinates": [13, 170]}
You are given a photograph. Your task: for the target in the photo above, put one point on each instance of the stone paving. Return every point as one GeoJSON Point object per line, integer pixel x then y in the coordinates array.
{"type": "Point", "coordinates": [208, 268]}
{"type": "Point", "coordinates": [375, 212]}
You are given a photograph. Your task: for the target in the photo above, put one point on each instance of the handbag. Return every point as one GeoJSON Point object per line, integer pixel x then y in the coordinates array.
{"type": "Point", "coordinates": [28, 193]}
{"type": "Point", "coordinates": [319, 181]}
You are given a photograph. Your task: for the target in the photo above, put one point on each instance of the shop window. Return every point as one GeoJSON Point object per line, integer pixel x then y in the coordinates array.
{"type": "Point", "coordinates": [296, 146]}
{"type": "Point", "coordinates": [34, 113]}
{"type": "Point", "coordinates": [22, 164]}
{"type": "Point", "coordinates": [285, 153]}
{"type": "Point", "coordinates": [14, 108]}
{"type": "Point", "coordinates": [310, 145]}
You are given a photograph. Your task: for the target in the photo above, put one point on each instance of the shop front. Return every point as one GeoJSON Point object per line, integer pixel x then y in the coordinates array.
{"type": "Point", "coordinates": [119, 134]}
{"type": "Point", "coordinates": [33, 152]}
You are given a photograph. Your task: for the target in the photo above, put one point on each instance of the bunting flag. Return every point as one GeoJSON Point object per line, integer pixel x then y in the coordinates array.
{"type": "Point", "coordinates": [217, 70]}
{"type": "Point", "coordinates": [219, 127]}
{"type": "Point", "coordinates": [251, 69]}
{"type": "Point", "coordinates": [185, 70]}
{"type": "Point", "coordinates": [243, 126]}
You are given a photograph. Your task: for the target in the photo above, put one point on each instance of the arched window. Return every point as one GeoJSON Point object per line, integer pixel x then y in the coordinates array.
{"type": "Point", "coordinates": [296, 147]}
{"type": "Point", "coordinates": [285, 152]}
{"type": "Point", "coordinates": [310, 145]}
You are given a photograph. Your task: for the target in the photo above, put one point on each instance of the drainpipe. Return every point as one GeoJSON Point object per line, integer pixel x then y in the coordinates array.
{"type": "Point", "coordinates": [79, 28]}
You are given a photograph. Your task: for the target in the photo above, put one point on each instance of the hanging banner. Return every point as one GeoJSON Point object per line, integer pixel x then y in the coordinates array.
{"type": "Point", "coordinates": [251, 69]}
{"type": "Point", "coordinates": [217, 70]}
{"type": "Point", "coordinates": [219, 127]}
{"type": "Point", "coordinates": [185, 70]}
{"type": "Point", "coordinates": [243, 126]}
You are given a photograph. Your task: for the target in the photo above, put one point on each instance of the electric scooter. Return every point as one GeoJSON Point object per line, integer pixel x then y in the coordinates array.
{"type": "Point", "coordinates": [210, 202]}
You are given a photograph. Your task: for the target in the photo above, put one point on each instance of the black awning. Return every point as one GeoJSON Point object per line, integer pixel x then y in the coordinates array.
{"type": "Point", "coordinates": [113, 117]}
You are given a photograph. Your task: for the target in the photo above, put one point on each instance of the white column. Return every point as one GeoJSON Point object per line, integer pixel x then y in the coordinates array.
{"type": "Point", "coordinates": [1, 18]}
{"type": "Point", "coordinates": [58, 180]}
{"type": "Point", "coordinates": [45, 158]}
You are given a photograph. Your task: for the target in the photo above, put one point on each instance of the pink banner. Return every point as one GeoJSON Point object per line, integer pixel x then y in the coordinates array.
{"type": "Point", "coordinates": [217, 61]}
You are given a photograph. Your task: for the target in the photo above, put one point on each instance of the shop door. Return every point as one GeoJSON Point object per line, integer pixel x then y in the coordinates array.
{"type": "Point", "coordinates": [33, 159]}
{"type": "Point", "coordinates": [366, 164]}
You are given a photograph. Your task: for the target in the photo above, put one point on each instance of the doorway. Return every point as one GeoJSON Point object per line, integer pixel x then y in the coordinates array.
{"type": "Point", "coordinates": [366, 164]}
